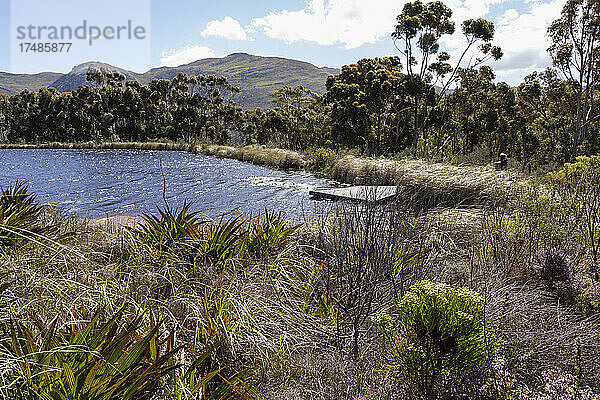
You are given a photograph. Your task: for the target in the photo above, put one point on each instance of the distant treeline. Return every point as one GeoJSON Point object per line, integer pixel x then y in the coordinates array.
{"type": "Point", "coordinates": [381, 106]}
{"type": "Point", "coordinates": [366, 107]}
{"type": "Point", "coordinates": [192, 109]}
{"type": "Point", "coordinates": [112, 109]}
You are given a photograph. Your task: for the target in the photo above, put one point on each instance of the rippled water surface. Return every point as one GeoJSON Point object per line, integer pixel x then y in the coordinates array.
{"type": "Point", "coordinates": [96, 183]}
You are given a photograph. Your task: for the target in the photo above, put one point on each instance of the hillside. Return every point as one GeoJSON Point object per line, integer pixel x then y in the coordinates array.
{"type": "Point", "coordinates": [257, 77]}
{"type": "Point", "coordinates": [77, 76]}
{"type": "Point", "coordinates": [15, 83]}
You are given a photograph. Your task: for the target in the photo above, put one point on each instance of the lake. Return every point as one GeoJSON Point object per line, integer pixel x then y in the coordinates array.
{"type": "Point", "coordinates": [98, 183]}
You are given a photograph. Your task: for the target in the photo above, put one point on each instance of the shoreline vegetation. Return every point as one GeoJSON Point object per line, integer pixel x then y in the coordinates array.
{"type": "Point", "coordinates": [344, 169]}
{"type": "Point", "coordinates": [103, 146]}
{"type": "Point", "coordinates": [436, 184]}
{"type": "Point", "coordinates": [259, 155]}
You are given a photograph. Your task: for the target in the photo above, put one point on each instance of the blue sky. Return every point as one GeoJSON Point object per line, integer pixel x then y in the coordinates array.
{"type": "Point", "coordinates": [323, 32]}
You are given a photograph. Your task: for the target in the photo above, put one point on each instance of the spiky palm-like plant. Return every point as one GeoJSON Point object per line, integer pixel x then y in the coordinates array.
{"type": "Point", "coordinates": [269, 232]}
{"type": "Point", "coordinates": [95, 358]}
{"type": "Point", "coordinates": [19, 215]}
{"type": "Point", "coordinates": [222, 243]}
{"type": "Point", "coordinates": [169, 227]}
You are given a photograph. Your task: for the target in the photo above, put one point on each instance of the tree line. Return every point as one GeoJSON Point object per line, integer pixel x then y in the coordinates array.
{"type": "Point", "coordinates": [111, 109]}
{"type": "Point", "coordinates": [417, 103]}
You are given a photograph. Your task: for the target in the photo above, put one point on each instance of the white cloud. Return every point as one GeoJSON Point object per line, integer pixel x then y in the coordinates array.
{"type": "Point", "coordinates": [523, 37]}
{"type": "Point", "coordinates": [227, 28]}
{"type": "Point", "coordinates": [351, 23]}
{"type": "Point", "coordinates": [466, 9]}
{"type": "Point", "coordinates": [508, 17]}
{"type": "Point", "coordinates": [520, 31]}
{"type": "Point", "coordinates": [354, 23]}
{"type": "Point", "coordinates": [463, 10]}
{"type": "Point", "coordinates": [185, 55]}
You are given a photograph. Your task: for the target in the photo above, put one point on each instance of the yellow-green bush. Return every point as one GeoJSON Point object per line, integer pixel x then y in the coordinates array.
{"type": "Point", "coordinates": [323, 160]}
{"type": "Point", "coordinates": [440, 333]}
{"type": "Point", "coordinates": [578, 188]}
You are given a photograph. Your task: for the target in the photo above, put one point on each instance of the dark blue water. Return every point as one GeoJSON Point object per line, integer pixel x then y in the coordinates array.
{"type": "Point", "coordinates": [97, 183]}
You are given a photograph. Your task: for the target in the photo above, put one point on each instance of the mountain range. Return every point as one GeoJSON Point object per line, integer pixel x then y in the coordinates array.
{"type": "Point", "coordinates": [257, 77]}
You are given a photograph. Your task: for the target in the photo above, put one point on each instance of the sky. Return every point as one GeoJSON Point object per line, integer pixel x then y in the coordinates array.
{"type": "Point", "coordinates": [323, 32]}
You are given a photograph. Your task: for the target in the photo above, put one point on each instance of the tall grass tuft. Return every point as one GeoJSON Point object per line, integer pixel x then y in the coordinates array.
{"type": "Point", "coordinates": [426, 185]}
{"type": "Point", "coordinates": [260, 155]}
{"type": "Point", "coordinates": [209, 373]}
{"type": "Point", "coordinates": [269, 232]}
{"type": "Point", "coordinates": [19, 215]}
{"type": "Point", "coordinates": [169, 227]}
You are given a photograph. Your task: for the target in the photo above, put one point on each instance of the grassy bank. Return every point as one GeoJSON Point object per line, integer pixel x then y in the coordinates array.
{"type": "Point", "coordinates": [271, 307]}
{"type": "Point", "coordinates": [260, 155]}
{"type": "Point", "coordinates": [432, 184]}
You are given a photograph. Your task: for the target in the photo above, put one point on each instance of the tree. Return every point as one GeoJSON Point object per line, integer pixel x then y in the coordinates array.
{"type": "Point", "coordinates": [417, 35]}
{"type": "Point", "coordinates": [4, 117]}
{"type": "Point", "coordinates": [94, 75]}
{"type": "Point", "coordinates": [158, 111]}
{"type": "Point", "coordinates": [186, 108]}
{"type": "Point", "coordinates": [300, 119]}
{"type": "Point", "coordinates": [481, 113]}
{"type": "Point", "coordinates": [365, 99]}
{"type": "Point", "coordinates": [547, 101]}
{"type": "Point", "coordinates": [292, 102]}
{"type": "Point", "coordinates": [105, 77]}
{"type": "Point", "coordinates": [575, 52]}
{"type": "Point", "coordinates": [470, 104]}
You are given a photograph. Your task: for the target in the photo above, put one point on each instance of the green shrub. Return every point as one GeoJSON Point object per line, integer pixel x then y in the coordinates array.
{"type": "Point", "coordinates": [571, 173]}
{"type": "Point", "coordinates": [441, 333]}
{"type": "Point", "coordinates": [578, 188]}
{"type": "Point", "coordinates": [323, 160]}
{"type": "Point", "coordinates": [19, 215]}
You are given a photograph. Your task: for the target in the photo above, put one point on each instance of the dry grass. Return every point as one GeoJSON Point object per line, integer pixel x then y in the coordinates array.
{"type": "Point", "coordinates": [111, 223]}
{"type": "Point", "coordinates": [540, 333]}
{"type": "Point", "coordinates": [430, 184]}
{"type": "Point", "coordinates": [260, 155]}
{"type": "Point", "coordinates": [102, 265]}
{"type": "Point", "coordinates": [460, 226]}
